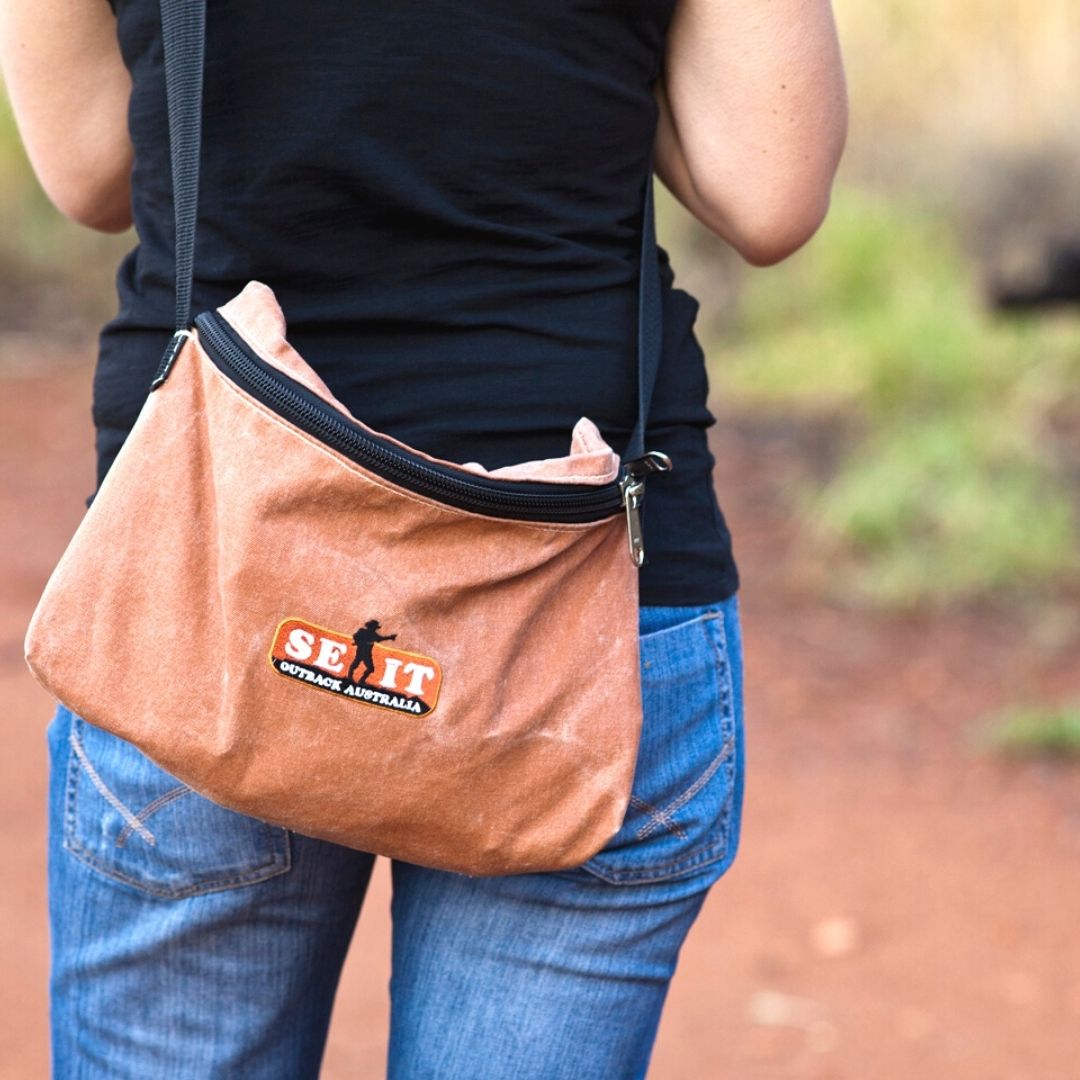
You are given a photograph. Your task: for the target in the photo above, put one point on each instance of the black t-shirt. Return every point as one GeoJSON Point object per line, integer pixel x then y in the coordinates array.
{"type": "Point", "coordinates": [445, 198]}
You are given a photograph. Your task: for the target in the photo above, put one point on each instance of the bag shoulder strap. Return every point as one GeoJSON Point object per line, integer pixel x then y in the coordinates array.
{"type": "Point", "coordinates": [183, 25]}
{"type": "Point", "coordinates": [650, 337]}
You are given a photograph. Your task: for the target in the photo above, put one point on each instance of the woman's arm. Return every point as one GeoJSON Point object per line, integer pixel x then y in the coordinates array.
{"type": "Point", "coordinates": [753, 119]}
{"type": "Point", "coordinates": [69, 91]}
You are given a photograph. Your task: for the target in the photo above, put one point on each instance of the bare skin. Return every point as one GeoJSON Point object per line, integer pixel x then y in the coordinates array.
{"type": "Point", "coordinates": [69, 90]}
{"type": "Point", "coordinates": [753, 114]}
{"type": "Point", "coordinates": [753, 119]}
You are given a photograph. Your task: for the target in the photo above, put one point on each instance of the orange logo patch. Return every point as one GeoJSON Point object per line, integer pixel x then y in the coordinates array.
{"type": "Point", "coordinates": [359, 665]}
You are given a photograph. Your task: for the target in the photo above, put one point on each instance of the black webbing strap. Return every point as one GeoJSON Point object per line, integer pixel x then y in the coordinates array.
{"type": "Point", "coordinates": [183, 26]}
{"type": "Point", "coordinates": [650, 322]}
{"type": "Point", "coordinates": [183, 31]}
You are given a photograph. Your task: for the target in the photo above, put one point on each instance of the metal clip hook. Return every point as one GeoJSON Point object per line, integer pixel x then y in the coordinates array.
{"type": "Point", "coordinates": [632, 486]}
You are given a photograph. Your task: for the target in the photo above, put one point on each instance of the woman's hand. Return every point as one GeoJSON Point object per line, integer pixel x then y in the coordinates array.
{"type": "Point", "coordinates": [753, 119]}
{"type": "Point", "coordinates": [69, 91]}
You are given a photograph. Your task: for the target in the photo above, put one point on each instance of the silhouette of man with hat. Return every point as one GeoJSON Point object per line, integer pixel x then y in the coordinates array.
{"type": "Point", "coordinates": [364, 639]}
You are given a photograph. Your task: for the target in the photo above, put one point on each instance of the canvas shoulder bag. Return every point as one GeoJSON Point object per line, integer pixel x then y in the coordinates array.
{"type": "Point", "coordinates": [312, 623]}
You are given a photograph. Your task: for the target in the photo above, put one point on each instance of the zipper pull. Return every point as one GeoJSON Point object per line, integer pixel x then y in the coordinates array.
{"type": "Point", "coordinates": [632, 486]}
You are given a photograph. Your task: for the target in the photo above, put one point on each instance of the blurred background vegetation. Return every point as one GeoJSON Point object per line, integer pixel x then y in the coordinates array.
{"type": "Point", "coordinates": [942, 439]}
{"type": "Point", "coordinates": [951, 433]}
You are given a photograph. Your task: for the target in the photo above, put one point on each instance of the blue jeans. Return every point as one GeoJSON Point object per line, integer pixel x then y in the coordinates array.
{"type": "Point", "coordinates": [190, 942]}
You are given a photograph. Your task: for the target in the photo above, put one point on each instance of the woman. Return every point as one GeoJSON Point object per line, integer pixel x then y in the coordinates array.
{"type": "Point", "coordinates": [445, 198]}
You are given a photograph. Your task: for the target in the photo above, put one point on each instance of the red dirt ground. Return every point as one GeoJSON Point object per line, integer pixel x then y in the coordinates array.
{"type": "Point", "coordinates": [902, 907]}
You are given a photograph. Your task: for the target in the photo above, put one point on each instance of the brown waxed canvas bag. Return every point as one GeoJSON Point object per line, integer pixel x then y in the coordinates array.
{"type": "Point", "coordinates": [312, 623]}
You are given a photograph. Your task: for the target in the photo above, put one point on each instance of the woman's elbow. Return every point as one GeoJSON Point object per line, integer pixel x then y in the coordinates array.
{"type": "Point", "coordinates": [84, 164]}
{"type": "Point", "coordinates": [767, 206]}
{"type": "Point", "coordinates": [766, 235]}
{"type": "Point", "coordinates": [104, 207]}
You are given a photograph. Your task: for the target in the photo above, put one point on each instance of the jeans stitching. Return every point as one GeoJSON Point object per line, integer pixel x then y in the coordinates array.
{"type": "Point", "coordinates": [712, 854]}
{"type": "Point", "coordinates": [152, 808]}
{"type": "Point", "coordinates": [662, 817]}
{"type": "Point", "coordinates": [106, 792]}
{"type": "Point", "coordinates": [278, 864]}
{"type": "Point", "coordinates": [70, 794]}
{"type": "Point", "coordinates": [705, 616]}
{"type": "Point", "coordinates": [657, 817]}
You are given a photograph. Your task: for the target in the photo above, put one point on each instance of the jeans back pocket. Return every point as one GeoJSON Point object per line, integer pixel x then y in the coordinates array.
{"type": "Point", "coordinates": [132, 821]}
{"type": "Point", "coordinates": [685, 806]}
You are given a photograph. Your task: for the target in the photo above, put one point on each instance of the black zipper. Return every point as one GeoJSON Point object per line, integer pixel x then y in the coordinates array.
{"type": "Point", "coordinates": [522, 500]}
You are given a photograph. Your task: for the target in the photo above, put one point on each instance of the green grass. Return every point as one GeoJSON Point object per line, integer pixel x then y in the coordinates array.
{"type": "Point", "coordinates": [1035, 731]}
{"type": "Point", "coordinates": [955, 488]}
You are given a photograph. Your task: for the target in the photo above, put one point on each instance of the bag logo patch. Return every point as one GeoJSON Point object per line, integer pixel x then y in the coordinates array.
{"type": "Point", "coordinates": [360, 666]}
